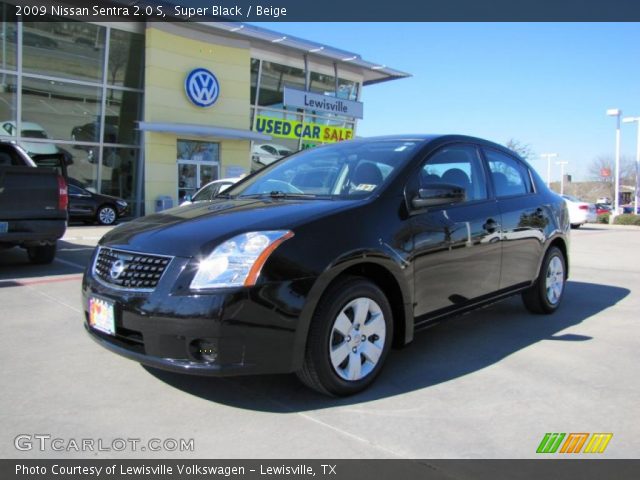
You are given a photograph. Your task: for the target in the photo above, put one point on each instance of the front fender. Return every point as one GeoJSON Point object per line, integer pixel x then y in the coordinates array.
{"type": "Point", "coordinates": [345, 265]}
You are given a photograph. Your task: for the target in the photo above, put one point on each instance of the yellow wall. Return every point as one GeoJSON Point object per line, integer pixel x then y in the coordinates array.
{"type": "Point", "coordinates": [169, 58]}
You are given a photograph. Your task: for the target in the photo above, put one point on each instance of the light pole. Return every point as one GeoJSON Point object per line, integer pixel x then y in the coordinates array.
{"type": "Point", "coordinates": [616, 112]}
{"type": "Point", "coordinates": [548, 156]}
{"type": "Point", "coordinates": [636, 193]}
{"type": "Point", "coordinates": [562, 164]}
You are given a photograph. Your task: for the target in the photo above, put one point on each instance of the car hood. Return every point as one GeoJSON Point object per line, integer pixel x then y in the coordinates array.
{"type": "Point", "coordinates": [107, 198]}
{"type": "Point", "coordinates": [196, 229]}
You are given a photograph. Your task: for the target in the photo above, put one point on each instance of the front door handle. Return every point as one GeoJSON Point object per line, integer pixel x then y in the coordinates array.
{"type": "Point", "coordinates": [490, 225]}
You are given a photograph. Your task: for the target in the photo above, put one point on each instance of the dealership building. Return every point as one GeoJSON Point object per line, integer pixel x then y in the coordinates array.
{"type": "Point", "coordinates": [150, 112]}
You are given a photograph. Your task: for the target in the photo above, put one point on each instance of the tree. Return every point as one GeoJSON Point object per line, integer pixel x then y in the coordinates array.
{"type": "Point", "coordinates": [522, 149]}
{"type": "Point", "coordinates": [606, 164]}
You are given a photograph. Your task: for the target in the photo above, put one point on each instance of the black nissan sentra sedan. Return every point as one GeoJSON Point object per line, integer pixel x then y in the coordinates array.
{"type": "Point", "coordinates": [323, 260]}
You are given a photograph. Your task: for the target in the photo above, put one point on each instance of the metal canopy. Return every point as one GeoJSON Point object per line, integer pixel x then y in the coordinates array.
{"type": "Point", "coordinates": [202, 130]}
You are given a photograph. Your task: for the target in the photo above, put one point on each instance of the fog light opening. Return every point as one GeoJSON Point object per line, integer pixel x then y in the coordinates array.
{"type": "Point", "coordinates": [204, 350]}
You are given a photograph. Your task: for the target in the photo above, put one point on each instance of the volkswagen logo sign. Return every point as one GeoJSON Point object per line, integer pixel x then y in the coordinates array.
{"type": "Point", "coordinates": [202, 87]}
{"type": "Point", "coordinates": [116, 269]}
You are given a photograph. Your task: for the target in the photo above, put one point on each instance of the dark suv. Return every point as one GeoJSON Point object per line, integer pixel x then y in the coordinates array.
{"type": "Point", "coordinates": [320, 262]}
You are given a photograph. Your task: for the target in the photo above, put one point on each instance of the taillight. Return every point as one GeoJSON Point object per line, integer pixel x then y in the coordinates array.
{"type": "Point", "coordinates": [63, 193]}
{"type": "Point", "coordinates": [584, 207]}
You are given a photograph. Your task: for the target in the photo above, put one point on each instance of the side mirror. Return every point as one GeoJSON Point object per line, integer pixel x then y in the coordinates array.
{"type": "Point", "coordinates": [438, 194]}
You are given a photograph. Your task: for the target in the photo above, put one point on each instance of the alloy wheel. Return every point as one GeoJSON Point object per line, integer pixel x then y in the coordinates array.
{"type": "Point", "coordinates": [357, 339]}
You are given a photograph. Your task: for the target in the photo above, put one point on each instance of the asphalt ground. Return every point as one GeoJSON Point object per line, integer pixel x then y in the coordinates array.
{"type": "Point", "coordinates": [489, 384]}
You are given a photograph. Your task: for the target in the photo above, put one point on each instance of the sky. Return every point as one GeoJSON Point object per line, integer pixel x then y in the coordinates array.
{"type": "Point", "coordinates": [547, 85]}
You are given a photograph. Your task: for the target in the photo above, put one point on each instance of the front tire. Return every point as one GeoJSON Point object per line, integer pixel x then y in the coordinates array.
{"type": "Point", "coordinates": [349, 338]}
{"type": "Point", "coordinates": [545, 295]}
{"type": "Point", "coordinates": [42, 254]}
{"type": "Point", "coordinates": [106, 215]}
{"type": "Point", "coordinates": [576, 225]}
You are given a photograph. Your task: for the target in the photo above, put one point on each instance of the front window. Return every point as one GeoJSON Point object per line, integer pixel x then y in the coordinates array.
{"type": "Point", "coordinates": [343, 170]}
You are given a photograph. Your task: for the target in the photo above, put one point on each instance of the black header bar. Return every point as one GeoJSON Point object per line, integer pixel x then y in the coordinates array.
{"type": "Point", "coordinates": [330, 10]}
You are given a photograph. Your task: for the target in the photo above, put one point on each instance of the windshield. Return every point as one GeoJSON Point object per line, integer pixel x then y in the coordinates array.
{"type": "Point", "coordinates": [345, 170]}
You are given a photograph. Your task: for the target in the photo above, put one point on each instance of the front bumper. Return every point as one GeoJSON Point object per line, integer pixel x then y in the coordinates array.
{"type": "Point", "coordinates": [249, 330]}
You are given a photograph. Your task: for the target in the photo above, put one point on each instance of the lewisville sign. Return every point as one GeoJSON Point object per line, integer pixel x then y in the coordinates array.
{"type": "Point", "coordinates": [316, 101]}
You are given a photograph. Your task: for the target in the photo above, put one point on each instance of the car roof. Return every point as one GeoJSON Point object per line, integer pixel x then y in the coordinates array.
{"type": "Point", "coordinates": [439, 139]}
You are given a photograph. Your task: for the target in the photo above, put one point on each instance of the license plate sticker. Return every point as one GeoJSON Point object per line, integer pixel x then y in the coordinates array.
{"type": "Point", "coordinates": [4, 227]}
{"type": "Point", "coordinates": [102, 315]}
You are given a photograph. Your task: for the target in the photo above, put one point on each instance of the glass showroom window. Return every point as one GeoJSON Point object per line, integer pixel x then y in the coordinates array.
{"type": "Point", "coordinates": [8, 36]}
{"type": "Point", "coordinates": [8, 105]}
{"type": "Point", "coordinates": [255, 70]}
{"type": "Point", "coordinates": [126, 59]}
{"type": "Point", "coordinates": [72, 50]}
{"type": "Point", "coordinates": [123, 109]}
{"type": "Point", "coordinates": [59, 108]}
{"type": "Point", "coordinates": [119, 172]}
{"type": "Point", "coordinates": [273, 80]}
{"type": "Point", "coordinates": [347, 89]}
{"type": "Point", "coordinates": [323, 84]}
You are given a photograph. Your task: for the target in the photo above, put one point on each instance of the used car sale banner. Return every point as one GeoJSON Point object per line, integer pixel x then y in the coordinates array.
{"type": "Point", "coordinates": [281, 128]}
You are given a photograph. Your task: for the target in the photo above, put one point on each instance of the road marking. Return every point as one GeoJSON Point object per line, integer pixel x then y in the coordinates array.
{"type": "Point", "coordinates": [311, 418]}
{"type": "Point", "coordinates": [77, 310]}
{"type": "Point", "coordinates": [40, 281]}
{"type": "Point", "coordinates": [46, 104]}
{"type": "Point", "coordinates": [71, 264]}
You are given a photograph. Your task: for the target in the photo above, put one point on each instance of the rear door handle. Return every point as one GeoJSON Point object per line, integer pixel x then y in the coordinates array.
{"type": "Point", "coordinates": [490, 225]}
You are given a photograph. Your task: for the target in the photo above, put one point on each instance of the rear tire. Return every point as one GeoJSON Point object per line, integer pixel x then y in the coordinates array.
{"type": "Point", "coordinates": [42, 254]}
{"type": "Point", "coordinates": [349, 338]}
{"type": "Point", "coordinates": [546, 293]}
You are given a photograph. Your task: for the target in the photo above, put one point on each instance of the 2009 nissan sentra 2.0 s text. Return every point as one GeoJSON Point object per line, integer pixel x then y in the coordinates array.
{"type": "Point", "coordinates": [323, 260]}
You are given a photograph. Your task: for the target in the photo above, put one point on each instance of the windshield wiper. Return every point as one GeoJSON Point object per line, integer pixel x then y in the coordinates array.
{"type": "Point", "coordinates": [286, 195]}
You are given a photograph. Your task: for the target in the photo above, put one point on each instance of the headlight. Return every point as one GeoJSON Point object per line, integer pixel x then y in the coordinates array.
{"type": "Point", "coordinates": [121, 203]}
{"type": "Point", "coordinates": [238, 261]}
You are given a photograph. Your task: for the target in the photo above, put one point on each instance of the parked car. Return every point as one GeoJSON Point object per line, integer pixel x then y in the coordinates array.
{"type": "Point", "coordinates": [272, 278]}
{"type": "Point", "coordinates": [33, 204]}
{"type": "Point", "coordinates": [90, 132]}
{"type": "Point", "coordinates": [89, 206]}
{"type": "Point", "coordinates": [580, 212]}
{"type": "Point", "coordinates": [31, 130]}
{"type": "Point", "coordinates": [604, 200]}
{"type": "Point", "coordinates": [210, 190]}
{"type": "Point", "coordinates": [602, 208]}
{"type": "Point", "coordinates": [266, 153]}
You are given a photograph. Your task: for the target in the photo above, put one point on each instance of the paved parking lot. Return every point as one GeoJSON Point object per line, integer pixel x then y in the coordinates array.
{"type": "Point", "coordinates": [489, 384]}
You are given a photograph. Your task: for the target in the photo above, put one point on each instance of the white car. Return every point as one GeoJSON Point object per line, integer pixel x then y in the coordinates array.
{"type": "Point", "coordinates": [580, 212]}
{"type": "Point", "coordinates": [210, 190]}
{"type": "Point", "coordinates": [267, 153]}
{"type": "Point", "coordinates": [31, 130]}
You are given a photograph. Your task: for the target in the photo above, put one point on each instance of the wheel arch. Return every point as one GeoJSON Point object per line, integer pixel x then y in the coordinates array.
{"type": "Point", "coordinates": [561, 244]}
{"type": "Point", "coordinates": [385, 274]}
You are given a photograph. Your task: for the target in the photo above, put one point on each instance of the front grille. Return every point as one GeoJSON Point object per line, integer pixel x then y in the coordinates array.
{"type": "Point", "coordinates": [129, 270]}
